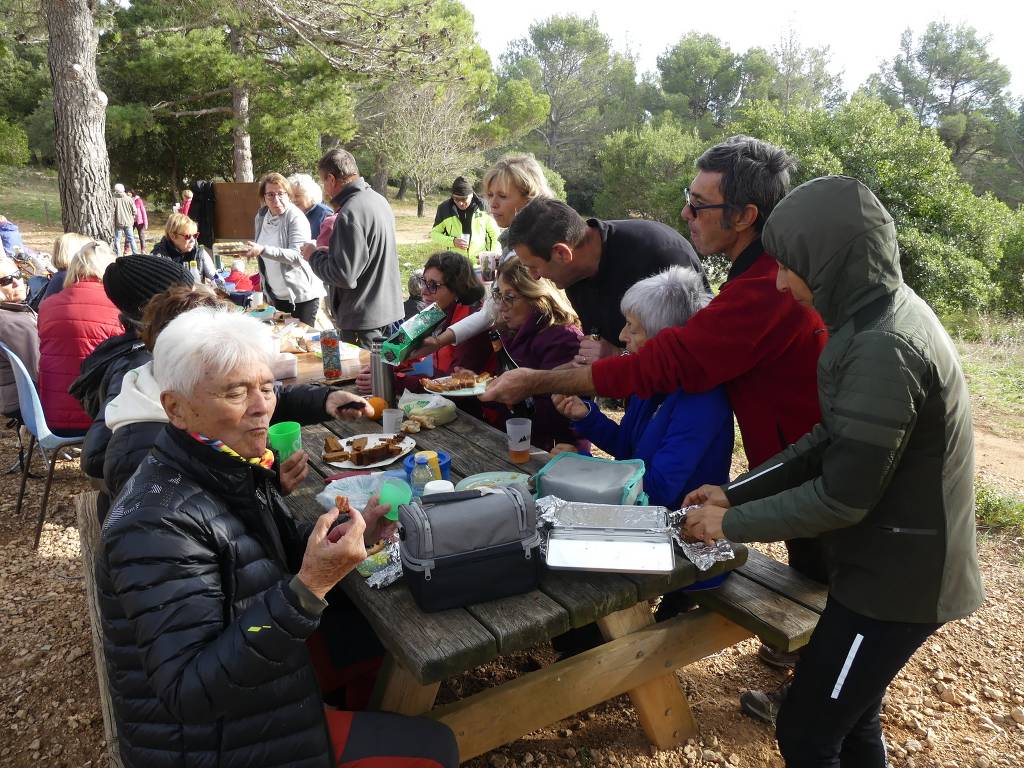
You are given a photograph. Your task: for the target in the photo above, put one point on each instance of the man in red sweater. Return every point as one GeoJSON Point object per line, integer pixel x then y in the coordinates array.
{"type": "Point", "coordinates": [762, 348]}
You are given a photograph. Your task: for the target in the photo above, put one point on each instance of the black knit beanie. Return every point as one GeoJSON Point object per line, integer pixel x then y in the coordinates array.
{"type": "Point", "coordinates": [131, 281]}
{"type": "Point", "coordinates": [461, 187]}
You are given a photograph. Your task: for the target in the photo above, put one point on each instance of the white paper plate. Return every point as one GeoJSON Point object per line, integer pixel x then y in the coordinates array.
{"type": "Point", "coordinates": [407, 445]}
{"type": "Point", "coordinates": [475, 391]}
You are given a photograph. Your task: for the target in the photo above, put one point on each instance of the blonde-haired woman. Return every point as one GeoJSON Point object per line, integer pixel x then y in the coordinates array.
{"type": "Point", "coordinates": [71, 325]}
{"type": "Point", "coordinates": [180, 245]}
{"type": "Point", "coordinates": [509, 185]}
{"type": "Point", "coordinates": [64, 249]}
{"type": "Point", "coordinates": [281, 229]}
{"type": "Point", "coordinates": [541, 332]}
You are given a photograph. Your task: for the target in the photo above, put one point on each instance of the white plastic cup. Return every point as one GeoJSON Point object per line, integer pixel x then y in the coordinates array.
{"type": "Point", "coordinates": [518, 431]}
{"type": "Point", "coordinates": [392, 420]}
{"type": "Point", "coordinates": [255, 299]}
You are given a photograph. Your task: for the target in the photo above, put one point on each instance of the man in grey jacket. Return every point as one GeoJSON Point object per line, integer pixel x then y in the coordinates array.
{"type": "Point", "coordinates": [124, 220]}
{"type": "Point", "coordinates": [885, 479]}
{"type": "Point", "coordinates": [360, 266]}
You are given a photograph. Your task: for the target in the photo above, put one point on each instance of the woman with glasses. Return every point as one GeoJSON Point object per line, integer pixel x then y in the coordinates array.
{"type": "Point", "coordinates": [448, 281]}
{"type": "Point", "coordinates": [281, 230]}
{"type": "Point", "coordinates": [542, 332]}
{"type": "Point", "coordinates": [179, 244]}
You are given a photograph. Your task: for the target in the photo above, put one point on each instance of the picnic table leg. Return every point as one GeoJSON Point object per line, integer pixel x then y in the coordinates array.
{"type": "Point", "coordinates": [660, 704]}
{"type": "Point", "coordinates": [398, 691]}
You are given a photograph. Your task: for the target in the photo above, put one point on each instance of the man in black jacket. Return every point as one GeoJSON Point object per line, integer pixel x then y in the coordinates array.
{"type": "Point", "coordinates": [209, 589]}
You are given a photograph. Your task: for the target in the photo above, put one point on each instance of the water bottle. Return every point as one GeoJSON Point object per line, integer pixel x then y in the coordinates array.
{"type": "Point", "coordinates": [382, 375]}
{"type": "Point", "coordinates": [421, 475]}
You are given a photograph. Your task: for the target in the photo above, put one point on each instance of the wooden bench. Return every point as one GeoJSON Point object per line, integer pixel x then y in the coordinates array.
{"type": "Point", "coordinates": [771, 600]}
{"type": "Point", "coordinates": [89, 537]}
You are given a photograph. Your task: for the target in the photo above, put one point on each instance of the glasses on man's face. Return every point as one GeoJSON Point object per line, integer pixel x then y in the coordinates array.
{"type": "Point", "coordinates": [696, 208]}
{"type": "Point", "coordinates": [276, 195]}
{"type": "Point", "coordinates": [429, 286]}
{"type": "Point", "coordinates": [9, 279]}
{"type": "Point", "coordinates": [505, 299]}
{"type": "Point", "coordinates": [461, 200]}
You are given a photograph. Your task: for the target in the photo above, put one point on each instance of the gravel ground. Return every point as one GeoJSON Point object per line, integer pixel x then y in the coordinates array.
{"type": "Point", "coordinates": [959, 703]}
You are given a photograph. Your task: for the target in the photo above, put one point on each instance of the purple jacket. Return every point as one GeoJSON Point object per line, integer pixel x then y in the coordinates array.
{"type": "Point", "coordinates": [545, 347]}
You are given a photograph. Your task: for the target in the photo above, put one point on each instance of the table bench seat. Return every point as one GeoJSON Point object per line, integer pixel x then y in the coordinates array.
{"type": "Point", "coordinates": [771, 600]}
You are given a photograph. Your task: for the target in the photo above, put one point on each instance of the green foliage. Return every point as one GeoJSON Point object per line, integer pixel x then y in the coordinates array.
{"type": "Point", "coordinates": [644, 170]}
{"type": "Point", "coordinates": [950, 240]}
{"type": "Point", "coordinates": [591, 90]}
{"type": "Point", "coordinates": [997, 509]}
{"type": "Point", "coordinates": [13, 144]}
{"type": "Point", "coordinates": [701, 76]}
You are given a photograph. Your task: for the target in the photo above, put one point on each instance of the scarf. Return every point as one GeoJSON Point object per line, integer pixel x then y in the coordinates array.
{"type": "Point", "coordinates": [266, 460]}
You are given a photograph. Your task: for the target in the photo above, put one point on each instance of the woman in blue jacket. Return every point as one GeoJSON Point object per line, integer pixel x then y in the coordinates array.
{"type": "Point", "coordinates": [681, 437]}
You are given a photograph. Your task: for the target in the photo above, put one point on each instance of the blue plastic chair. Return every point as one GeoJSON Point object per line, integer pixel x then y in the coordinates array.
{"type": "Point", "coordinates": [35, 422]}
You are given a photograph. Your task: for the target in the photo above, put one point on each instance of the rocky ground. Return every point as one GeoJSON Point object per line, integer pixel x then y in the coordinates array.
{"type": "Point", "coordinates": [959, 703]}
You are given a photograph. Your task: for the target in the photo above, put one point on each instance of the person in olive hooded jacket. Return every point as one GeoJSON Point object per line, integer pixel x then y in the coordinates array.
{"type": "Point", "coordinates": [885, 479]}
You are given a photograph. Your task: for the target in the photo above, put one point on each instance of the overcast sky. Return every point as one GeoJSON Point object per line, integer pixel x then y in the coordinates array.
{"type": "Point", "coordinates": [859, 34]}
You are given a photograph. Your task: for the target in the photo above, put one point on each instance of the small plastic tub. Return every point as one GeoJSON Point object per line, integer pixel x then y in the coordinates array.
{"type": "Point", "coordinates": [444, 461]}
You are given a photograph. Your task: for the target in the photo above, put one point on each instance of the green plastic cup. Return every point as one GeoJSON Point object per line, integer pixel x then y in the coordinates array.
{"type": "Point", "coordinates": [395, 492]}
{"type": "Point", "coordinates": [285, 438]}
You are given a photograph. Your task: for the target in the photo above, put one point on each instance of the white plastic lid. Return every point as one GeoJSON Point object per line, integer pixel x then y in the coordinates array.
{"type": "Point", "coordinates": [438, 486]}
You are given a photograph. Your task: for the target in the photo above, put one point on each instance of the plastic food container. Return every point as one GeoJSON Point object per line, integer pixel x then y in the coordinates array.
{"type": "Point", "coordinates": [444, 462]}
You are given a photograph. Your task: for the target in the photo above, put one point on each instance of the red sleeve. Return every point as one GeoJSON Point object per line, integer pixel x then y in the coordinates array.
{"type": "Point", "coordinates": [740, 327]}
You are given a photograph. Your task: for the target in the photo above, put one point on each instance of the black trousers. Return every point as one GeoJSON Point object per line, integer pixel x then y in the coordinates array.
{"type": "Point", "coordinates": [830, 717]}
{"type": "Point", "coordinates": [304, 310]}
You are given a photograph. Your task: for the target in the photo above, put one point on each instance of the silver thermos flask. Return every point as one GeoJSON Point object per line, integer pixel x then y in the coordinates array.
{"type": "Point", "coordinates": [382, 375]}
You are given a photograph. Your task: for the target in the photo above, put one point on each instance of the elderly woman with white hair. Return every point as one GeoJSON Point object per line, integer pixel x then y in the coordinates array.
{"type": "Point", "coordinates": [209, 589]}
{"type": "Point", "coordinates": [681, 437]}
{"type": "Point", "coordinates": [309, 197]}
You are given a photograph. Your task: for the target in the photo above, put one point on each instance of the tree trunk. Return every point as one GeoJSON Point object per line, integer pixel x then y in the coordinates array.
{"type": "Point", "coordinates": [420, 203]}
{"type": "Point", "coordinates": [402, 187]}
{"type": "Point", "coordinates": [79, 117]}
{"type": "Point", "coordinates": [242, 151]}
{"type": "Point", "coordinates": [379, 180]}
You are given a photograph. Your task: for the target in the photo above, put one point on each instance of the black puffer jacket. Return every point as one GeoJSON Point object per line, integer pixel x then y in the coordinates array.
{"type": "Point", "coordinates": [98, 384]}
{"type": "Point", "coordinates": [304, 403]}
{"type": "Point", "coordinates": [204, 628]}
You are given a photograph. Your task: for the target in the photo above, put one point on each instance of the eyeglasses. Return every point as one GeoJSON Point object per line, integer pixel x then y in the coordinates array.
{"type": "Point", "coordinates": [506, 299]}
{"type": "Point", "coordinates": [8, 279]}
{"type": "Point", "coordinates": [272, 195]}
{"type": "Point", "coordinates": [429, 286]}
{"type": "Point", "coordinates": [460, 199]}
{"type": "Point", "coordinates": [186, 235]}
{"type": "Point", "coordinates": [695, 209]}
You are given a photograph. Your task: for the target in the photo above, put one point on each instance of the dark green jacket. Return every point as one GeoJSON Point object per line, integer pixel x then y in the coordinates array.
{"type": "Point", "coordinates": [886, 478]}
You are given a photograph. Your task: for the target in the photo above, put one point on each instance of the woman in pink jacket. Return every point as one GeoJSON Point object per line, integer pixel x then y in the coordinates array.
{"type": "Point", "coordinates": [72, 324]}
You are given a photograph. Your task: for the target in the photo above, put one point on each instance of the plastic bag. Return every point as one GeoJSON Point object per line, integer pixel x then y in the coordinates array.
{"type": "Point", "coordinates": [438, 409]}
{"type": "Point", "coordinates": [358, 488]}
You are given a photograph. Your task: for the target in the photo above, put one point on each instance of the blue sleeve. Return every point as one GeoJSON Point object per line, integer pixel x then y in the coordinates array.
{"type": "Point", "coordinates": [605, 433]}
{"type": "Point", "coordinates": [694, 422]}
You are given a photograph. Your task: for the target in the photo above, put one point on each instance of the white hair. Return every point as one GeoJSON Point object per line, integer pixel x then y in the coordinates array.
{"type": "Point", "coordinates": [303, 184]}
{"type": "Point", "coordinates": [238, 265]}
{"type": "Point", "coordinates": [119, 187]}
{"type": "Point", "coordinates": [666, 299]}
{"type": "Point", "coordinates": [206, 342]}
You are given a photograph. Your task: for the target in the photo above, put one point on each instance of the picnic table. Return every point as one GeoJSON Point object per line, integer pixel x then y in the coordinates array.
{"type": "Point", "coordinates": [639, 657]}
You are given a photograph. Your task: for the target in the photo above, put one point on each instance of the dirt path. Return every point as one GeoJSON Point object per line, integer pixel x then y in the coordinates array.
{"type": "Point", "coordinates": [999, 457]}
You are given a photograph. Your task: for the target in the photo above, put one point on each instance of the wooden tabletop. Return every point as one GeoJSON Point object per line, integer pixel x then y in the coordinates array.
{"type": "Point", "coordinates": [434, 646]}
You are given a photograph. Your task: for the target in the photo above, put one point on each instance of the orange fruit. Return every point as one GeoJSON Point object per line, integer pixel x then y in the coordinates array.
{"type": "Point", "coordinates": [378, 404]}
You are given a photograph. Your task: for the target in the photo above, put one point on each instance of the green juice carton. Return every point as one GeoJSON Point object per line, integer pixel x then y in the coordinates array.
{"type": "Point", "coordinates": [411, 334]}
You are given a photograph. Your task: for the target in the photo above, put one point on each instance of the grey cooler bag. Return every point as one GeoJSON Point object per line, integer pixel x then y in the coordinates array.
{"type": "Point", "coordinates": [469, 546]}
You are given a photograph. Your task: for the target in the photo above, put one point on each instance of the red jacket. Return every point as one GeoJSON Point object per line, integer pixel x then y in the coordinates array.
{"type": "Point", "coordinates": [72, 324]}
{"type": "Point", "coordinates": [759, 343]}
{"type": "Point", "coordinates": [240, 280]}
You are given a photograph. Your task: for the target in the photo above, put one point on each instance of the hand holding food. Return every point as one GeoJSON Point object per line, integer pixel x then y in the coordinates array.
{"type": "Point", "coordinates": [332, 553]}
{"type": "Point", "coordinates": [344, 405]}
{"type": "Point", "coordinates": [705, 523]}
{"type": "Point", "coordinates": [708, 494]}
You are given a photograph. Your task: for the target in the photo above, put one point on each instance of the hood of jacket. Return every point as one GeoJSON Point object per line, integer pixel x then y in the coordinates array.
{"type": "Point", "coordinates": [139, 400]}
{"type": "Point", "coordinates": [839, 239]}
